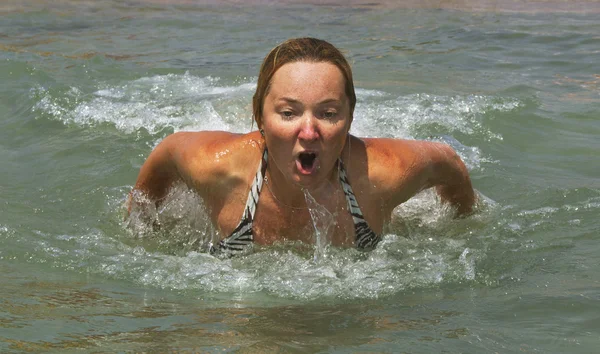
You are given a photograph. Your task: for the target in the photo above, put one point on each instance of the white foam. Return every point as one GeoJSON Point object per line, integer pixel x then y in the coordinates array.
{"type": "Point", "coordinates": [403, 260]}
{"type": "Point", "coordinates": [178, 102]}
{"type": "Point", "coordinates": [410, 116]}
{"type": "Point", "coordinates": [430, 117]}
{"type": "Point", "coordinates": [364, 93]}
{"type": "Point", "coordinates": [188, 102]}
{"type": "Point", "coordinates": [4, 229]}
{"type": "Point", "coordinates": [543, 211]}
{"type": "Point", "coordinates": [287, 271]}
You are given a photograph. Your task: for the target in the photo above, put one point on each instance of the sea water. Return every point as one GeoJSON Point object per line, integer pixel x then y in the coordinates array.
{"type": "Point", "coordinates": [89, 88]}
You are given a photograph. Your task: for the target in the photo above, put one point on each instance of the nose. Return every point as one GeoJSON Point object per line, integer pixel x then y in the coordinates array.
{"type": "Point", "coordinates": [309, 130]}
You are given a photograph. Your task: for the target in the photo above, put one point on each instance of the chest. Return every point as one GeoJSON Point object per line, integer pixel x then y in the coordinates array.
{"type": "Point", "coordinates": [274, 221]}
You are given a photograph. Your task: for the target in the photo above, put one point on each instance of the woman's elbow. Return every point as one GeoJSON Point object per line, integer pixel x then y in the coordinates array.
{"type": "Point", "coordinates": [452, 181]}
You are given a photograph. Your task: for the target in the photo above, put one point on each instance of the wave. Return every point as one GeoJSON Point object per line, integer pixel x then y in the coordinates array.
{"type": "Point", "coordinates": [183, 102]}
{"type": "Point", "coordinates": [423, 247]}
{"type": "Point", "coordinates": [175, 102]}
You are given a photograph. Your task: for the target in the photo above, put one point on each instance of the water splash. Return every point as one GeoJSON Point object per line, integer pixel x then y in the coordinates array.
{"type": "Point", "coordinates": [180, 102]}
{"type": "Point", "coordinates": [323, 222]}
{"type": "Point", "coordinates": [432, 254]}
{"type": "Point", "coordinates": [179, 225]}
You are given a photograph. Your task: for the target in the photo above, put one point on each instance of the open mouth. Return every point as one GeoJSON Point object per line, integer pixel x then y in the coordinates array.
{"type": "Point", "coordinates": [307, 162]}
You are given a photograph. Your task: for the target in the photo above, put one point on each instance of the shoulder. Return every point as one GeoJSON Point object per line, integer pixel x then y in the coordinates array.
{"type": "Point", "coordinates": [400, 167]}
{"type": "Point", "coordinates": [378, 164]}
{"type": "Point", "coordinates": [213, 157]}
{"type": "Point", "coordinates": [403, 153]}
{"type": "Point", "coordinates": [388, 159]}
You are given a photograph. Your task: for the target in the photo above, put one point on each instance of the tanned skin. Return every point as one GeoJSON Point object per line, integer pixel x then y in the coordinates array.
{"type": "Point", "coordinates": [383, 174]}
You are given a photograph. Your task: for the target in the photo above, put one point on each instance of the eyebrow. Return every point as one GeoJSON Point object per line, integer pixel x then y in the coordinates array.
{"type": "Point", "coordinates": [292, 100]}
{"type": "Point", "coordinates": [288, 99]}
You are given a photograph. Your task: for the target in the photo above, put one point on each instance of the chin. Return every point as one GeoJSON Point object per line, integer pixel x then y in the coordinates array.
{"type": "Point", "coordinates": [308, 181]}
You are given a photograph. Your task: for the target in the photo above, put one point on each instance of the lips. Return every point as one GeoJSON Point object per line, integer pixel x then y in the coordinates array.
{"type": "Point", "coordinates": [307, 162]}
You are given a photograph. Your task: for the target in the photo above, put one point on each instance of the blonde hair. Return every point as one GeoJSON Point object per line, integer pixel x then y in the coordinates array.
{"type": "Point", "coordinates": [294, 50]}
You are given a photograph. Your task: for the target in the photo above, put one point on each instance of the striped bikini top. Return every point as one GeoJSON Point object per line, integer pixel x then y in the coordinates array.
{"type": "Point", "coordinates": [241, 238]}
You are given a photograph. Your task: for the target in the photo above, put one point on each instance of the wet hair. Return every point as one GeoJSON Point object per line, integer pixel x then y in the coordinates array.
{"type": "Point", "coordinates": [296, 50]}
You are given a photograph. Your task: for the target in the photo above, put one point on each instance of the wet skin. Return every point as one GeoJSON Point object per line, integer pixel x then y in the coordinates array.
{"type": "Point", "coordinates": [306, 117]}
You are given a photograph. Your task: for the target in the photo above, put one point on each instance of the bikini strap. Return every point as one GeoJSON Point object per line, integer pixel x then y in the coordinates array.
{"type": "Point", "coordinates": [365, 237]}
{"type": "Point", "coordinates": [242, 236]}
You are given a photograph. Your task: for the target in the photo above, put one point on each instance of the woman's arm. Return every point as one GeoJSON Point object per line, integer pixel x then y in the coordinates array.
{"type": "Point", "coordinates": [418, 165]}
{"type": "Point", "coordinates": [450, 177]}
{"type": "Point", "coordinates": [186, 157]}
{"type": "Point", "coordinates": [159, 172]}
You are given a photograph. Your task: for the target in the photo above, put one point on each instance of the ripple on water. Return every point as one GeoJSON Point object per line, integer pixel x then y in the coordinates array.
{"type": "Point", "coordinates": [416, 252]}
{"type": "Point", "coordinates": [187, 102]}
{"type": "Point", "coordinates": [178, 102]}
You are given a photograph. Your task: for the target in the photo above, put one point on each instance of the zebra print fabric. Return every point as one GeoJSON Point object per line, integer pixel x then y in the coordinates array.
{"type": "Point", "coordinates": [242, 236]}
{"type": "Point", "coordinates": [366, 239]}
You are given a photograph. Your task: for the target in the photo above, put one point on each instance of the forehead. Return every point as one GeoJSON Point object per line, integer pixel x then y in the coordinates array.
{"type": "Point", "coordinates": [308, 79]}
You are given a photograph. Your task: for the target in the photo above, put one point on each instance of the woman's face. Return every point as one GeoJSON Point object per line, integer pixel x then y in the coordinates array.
{"type": "Point", "coordinates": [306, 118]}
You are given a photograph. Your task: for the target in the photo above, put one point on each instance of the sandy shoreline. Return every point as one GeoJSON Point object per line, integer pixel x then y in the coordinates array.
{"type": "Point", "coordinates": [527, 6]}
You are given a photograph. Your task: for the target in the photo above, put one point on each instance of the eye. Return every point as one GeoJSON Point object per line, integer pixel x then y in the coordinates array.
{"type": "Point", "coordinates": [287, 114]}
{"type": "Point", "coordinates": [329, 114]}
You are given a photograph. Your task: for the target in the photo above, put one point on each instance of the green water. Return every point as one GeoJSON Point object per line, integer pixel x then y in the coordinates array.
{"type": "Point", "coordinates": [88, 89]}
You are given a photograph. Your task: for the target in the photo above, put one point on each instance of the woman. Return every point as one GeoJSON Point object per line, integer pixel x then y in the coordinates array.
{"type": "Point", "coordinates": [303, 107]}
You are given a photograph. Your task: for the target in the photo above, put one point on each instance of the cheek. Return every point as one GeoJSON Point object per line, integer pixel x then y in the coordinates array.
{"type": "Point", "coordinates": [336, 134]}
{"type": "Point", "coordinates": [280, 135]}
{"type": "Point", "coordinates": [281, 131]}
{"type": "Point", "coordinates": [279, 140]}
